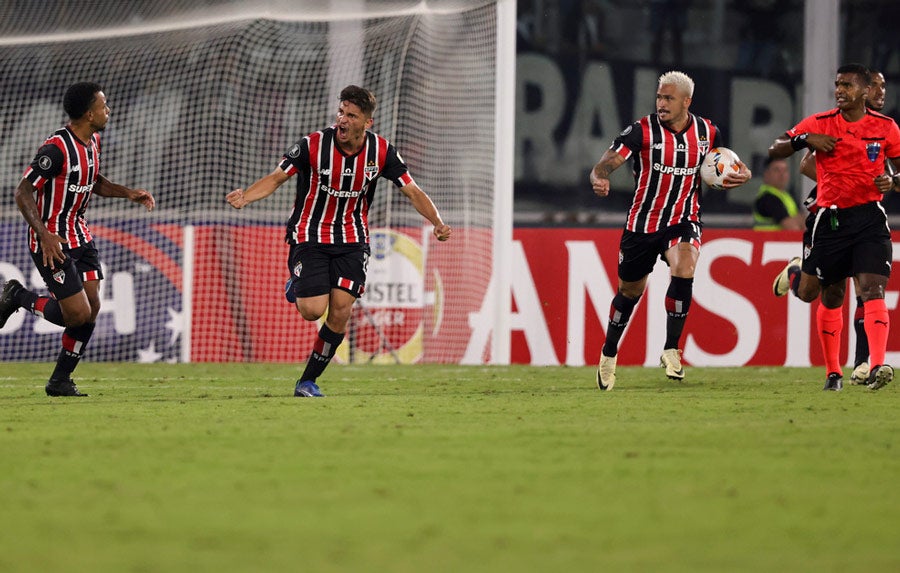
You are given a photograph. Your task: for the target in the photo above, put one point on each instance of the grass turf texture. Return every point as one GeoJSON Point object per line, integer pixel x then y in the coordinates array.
{"type": "Point", "coordinates": [444, 468]}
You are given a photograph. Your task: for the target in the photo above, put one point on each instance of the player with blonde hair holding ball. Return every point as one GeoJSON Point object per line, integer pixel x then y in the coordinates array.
{"type": "Point", "coordinates": [667, 148]}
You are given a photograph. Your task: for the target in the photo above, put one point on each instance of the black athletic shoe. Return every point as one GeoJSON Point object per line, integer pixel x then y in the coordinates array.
{"type": "Point", "coordinates": [8, 303]}
{"type": "Point", "coordinates": [834, 382]}
{"type": "Point", "coordinates": [59, 387]}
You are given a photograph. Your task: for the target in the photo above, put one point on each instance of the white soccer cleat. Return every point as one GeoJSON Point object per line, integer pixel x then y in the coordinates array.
{"type": "Point", "coordinates": [782, 283]}
{"type": "Point", "coordinates": [606, 372]}
{"type": "Point", "coordinates": [880, 376]}
{"type": "Point", "coordinates": [671, 361]}
{"type": "Point", "coordinates": [860, 376]}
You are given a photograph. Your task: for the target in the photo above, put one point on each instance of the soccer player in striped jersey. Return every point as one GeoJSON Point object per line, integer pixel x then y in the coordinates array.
{"type": "Point", "coordinates": [667, 148]}
{"type": "Point", "coordinates": [848, 234]}
{"type": "Point", "coordinates": [52, 196]}
{"type": "Point", "coordinates": [337, 170]}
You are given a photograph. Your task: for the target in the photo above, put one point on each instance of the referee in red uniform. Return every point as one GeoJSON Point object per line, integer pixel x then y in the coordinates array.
{"type": "Point", "coordinates": [850, 235]}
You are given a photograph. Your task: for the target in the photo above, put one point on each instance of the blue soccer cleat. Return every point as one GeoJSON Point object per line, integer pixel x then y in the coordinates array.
{"type": "Point", "coordinates": [307, 389]}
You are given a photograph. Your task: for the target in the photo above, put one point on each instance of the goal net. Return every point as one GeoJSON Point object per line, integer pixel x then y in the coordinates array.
{"type": "Point", "coordinates": [207, 101]}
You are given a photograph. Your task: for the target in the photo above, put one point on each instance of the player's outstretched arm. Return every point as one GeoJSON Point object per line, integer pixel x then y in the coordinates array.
{"type": "Point", "coordinates": [425, 206]}
{"type": "Point", "coordinates": [106, 188]}
{"type": "Point", "coordinates": [260, 189]}
{"type": "Point", "coordinates": [600, 173]}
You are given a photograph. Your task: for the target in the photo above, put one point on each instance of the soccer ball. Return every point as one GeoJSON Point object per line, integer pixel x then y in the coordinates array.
{"type": "Point", "coordinates": [718, 164]}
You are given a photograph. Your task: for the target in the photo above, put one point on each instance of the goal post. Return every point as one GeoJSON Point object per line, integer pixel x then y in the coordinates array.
{"type": "Point", "coordinates": [204, 102]}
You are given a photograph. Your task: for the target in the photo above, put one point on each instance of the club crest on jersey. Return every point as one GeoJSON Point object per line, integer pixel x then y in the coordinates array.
{"type": "Point", "coordinates": [873, 150]}
{"type": "Point", "coordinates": [703, 144]}
{"type": "Point", "coordinates": [60, 276]}
{"type": "Point", "coordinates": [44, 162]}
{"type": "Point", "coordinates": [370, 171]}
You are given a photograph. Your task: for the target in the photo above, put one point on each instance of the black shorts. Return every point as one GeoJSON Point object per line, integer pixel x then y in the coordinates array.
{"type": "Point", "coordinates": [82, 264]}
{"type": "Point", "coordinates": [859, 242]}
{"type": "Point", "coordinates": [638, 251]}
{"type": "Point", "coordinates": [319, 268]}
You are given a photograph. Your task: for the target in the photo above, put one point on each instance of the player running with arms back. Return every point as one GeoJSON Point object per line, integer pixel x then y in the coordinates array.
{"type": "Point", "coordinates": [328, 233]}
{"type": "Point", "coordinates": [850, 235]}
{"type": "Point", "coordinates": [63, 176]}
{"type": "Point", "coordinates": [668, 148]}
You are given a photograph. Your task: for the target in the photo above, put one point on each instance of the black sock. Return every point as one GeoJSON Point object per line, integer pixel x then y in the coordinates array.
{"type": "Point", "coordinates": [862, 341]}
{"type": "Point", "coordinates": [74, 340]}
{"type": "Point", "coordinates": [43, 306]}
{"type": "Point", "coordinates": [794, 280]}
{"type": "Point", "coordinates": [619, 314]}
{"type": "Point", "coordinates": [48, 309]}
{"type": "Point", "coordinates": [325, 347]}
{"type": "Point", "coordinates": [678, 302]}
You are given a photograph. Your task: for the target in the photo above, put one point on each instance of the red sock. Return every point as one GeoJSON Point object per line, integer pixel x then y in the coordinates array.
{"type": "Point", "coordinates": [877, 323]}
{"type": "Point", "coordinates": [830, 323]}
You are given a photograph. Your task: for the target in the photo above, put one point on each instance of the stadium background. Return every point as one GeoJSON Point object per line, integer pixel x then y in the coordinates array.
{"type": "Point", "coordinates": [585, 69]}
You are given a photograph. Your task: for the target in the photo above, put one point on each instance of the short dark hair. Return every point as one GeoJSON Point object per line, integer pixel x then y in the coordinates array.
{"type": "Point", "coordinates": [771, 160]}
{"type": "Point", "coordinates": [362, 97]}
{"type": "Point", "coordinates": [858, 69]}
{"type": "Point", "coordinates": [79, 97]}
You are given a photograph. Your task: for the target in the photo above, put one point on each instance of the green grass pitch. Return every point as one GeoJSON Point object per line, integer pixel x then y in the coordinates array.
{"type": "Point", "coordinates": [171, 468]}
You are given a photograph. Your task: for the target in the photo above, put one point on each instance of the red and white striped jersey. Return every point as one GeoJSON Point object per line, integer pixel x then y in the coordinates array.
{"type": "Point", "coordinates": [666, 170]}
{"type": "Point", "coordinates": [334, 190]}
{"type": "Point", "coordinates": [64, 172]}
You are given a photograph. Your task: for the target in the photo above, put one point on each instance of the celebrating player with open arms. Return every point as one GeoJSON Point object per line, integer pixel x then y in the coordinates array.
{"type": "Point", "coordinates": [337, 168]}
{"type": "Point", "coordinates": [63, 176]}
{"type": "Point", "coordinates": [668, 148]}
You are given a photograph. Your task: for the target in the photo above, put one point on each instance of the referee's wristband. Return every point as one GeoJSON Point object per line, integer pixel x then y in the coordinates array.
{"type": "Point", "coordinates": [798, 142]}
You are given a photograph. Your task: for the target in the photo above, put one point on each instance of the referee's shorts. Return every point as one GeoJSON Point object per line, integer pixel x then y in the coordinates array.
{"type": "Point", "coordinates": [847, 242]}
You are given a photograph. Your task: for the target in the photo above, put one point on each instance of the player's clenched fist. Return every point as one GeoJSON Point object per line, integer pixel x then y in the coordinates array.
{"type": "Point", "coordinates": [236, 199]}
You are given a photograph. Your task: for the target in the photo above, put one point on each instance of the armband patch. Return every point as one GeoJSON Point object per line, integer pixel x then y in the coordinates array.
{"type": "Point", "coordinates": [798, 142]}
